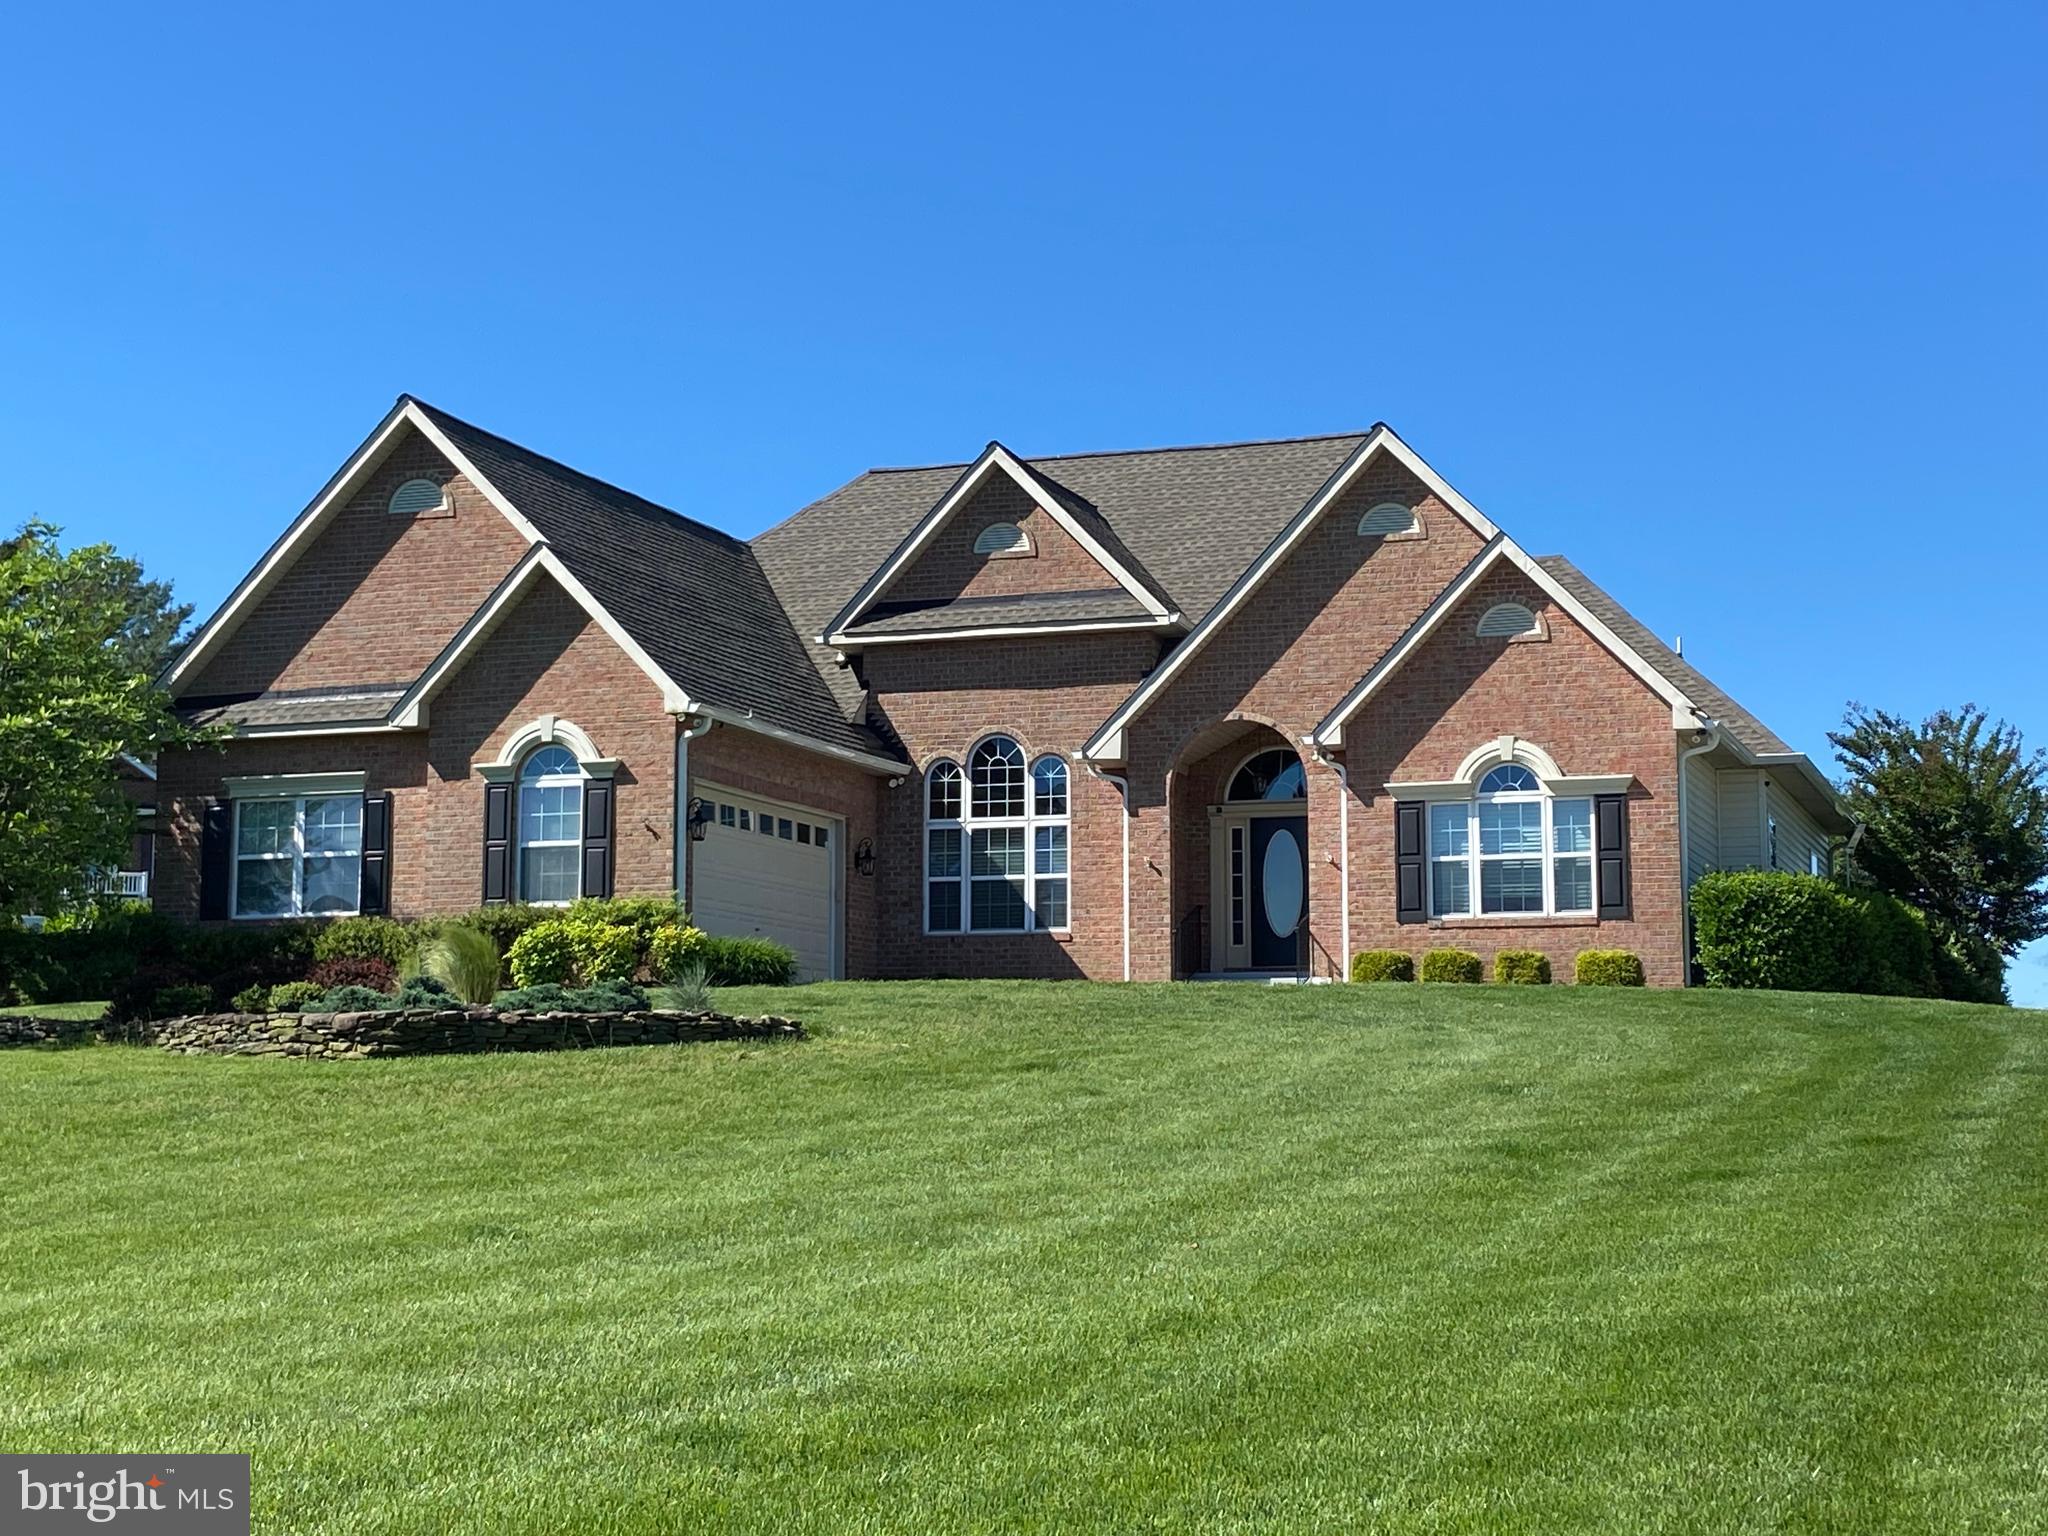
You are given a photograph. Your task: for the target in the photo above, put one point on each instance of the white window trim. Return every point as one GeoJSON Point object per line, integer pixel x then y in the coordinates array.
{"type": "Point", "coordinates": [519, 843]}
{"type": "Point", "coordinates": [1475, 860]}
{"type": "Point", "coordinates": [439, 506]}
{"type": "Point", "coordinates": [298, 854]}
{"type": "Point", "coordinates": [967, 824]}
{"type": "Point", "coordinates": [295, 786]}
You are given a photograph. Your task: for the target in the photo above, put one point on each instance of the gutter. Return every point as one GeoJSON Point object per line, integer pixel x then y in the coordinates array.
{"type": "Point", "coordinates": [689, 727]}
{"type": "Point", "coordinates": [1123, 786]}
{"type": "Point", "coordinates": [1713, 729]}
{"type": "Point", "coordinates": [1343, 850]}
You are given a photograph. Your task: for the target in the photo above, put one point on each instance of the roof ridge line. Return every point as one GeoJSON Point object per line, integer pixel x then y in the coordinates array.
{"type": "Point", "coordinates": [1122, 453]}
{"type": "Point", "coordinates": [571, 469]}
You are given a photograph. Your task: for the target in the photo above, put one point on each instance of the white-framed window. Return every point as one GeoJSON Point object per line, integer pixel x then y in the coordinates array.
{"type": "Point", "coordinates": [550, 826]}
{"type": "Point", "coordinates": [1511, 850]}
{"type": "Point", "coordinates": [996, 842]}
{"type": "Point", "coordinates": [298, 856]}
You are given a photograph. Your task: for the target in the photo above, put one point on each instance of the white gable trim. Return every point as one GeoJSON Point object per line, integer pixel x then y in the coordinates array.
{"type": "Point", "coordinates": [1330, 733]}
{"type": "Point", "coordinates": [866, 760]}
{"type": "Point", "coordinates": [1107, 744]}
{"type": "Point", "coordinates": [849, 643]}
{"type": "Point", "coordinates": [411, 711]}
{"type": "Point", "coordinates": [308, 525]}
{"type": "Point", "coordinates": [994, 458]}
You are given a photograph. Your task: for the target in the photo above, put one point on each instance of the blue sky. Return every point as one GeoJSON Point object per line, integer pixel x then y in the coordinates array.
{"type": "Point", "coordinates": [1743, 309]}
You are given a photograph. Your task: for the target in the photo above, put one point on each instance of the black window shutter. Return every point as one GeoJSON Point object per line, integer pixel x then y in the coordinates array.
{"type": "Point", "coordinates": [1610, 849]}
{"type": "Point", "coordinates": [497, 844]}
{"type": "Point", "coordinates": [376, 898]}
{"type": "Point", "coordinates": [597, 837]}
{"type": "Point", "coordinates": [1410, 905]}
{"type": "Point", "coordinates": [216, 857]}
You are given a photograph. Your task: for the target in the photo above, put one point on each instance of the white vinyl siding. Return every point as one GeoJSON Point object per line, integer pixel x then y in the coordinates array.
{"type": "Point", "coordinates": [1742, 819]}
{"type": "Point", "coordinates": [1702, 821]}
{"type": "Point", "coordinates": [1799, 838]}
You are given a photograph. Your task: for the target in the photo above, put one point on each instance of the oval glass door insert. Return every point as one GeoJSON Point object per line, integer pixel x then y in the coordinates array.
{"type": "Point", "coordinates": [1281, 879]}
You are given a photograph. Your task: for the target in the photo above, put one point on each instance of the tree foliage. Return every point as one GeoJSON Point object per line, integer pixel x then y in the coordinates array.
{"type": "Point", "coordinates": [1956, 812]}
{"type": "Point", "coordinates": [77, 690]}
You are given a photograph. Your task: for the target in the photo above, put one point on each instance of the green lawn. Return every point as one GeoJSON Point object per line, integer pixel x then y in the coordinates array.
{"type": "Point", "coordinates": [1018, 1257]}
{"type": "Point", "coordinates": [85, 1012]}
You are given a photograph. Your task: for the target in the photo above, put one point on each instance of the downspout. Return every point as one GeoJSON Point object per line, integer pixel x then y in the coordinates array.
{"type": "Point", "coordinates": [1343, 853]}
{"type": "Point", "coordinates": [1123, 787]}
{"type": "Point", "coordinates": [1713, 730]}
{"type": "Point", "coordinates": [688, 727]}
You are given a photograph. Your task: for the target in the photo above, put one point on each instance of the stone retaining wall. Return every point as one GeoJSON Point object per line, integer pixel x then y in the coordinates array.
{"type": "Point", "coordinates": [412, 1032]}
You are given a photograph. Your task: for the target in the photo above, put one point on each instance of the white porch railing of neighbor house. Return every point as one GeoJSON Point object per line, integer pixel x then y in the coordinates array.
{"type": "Point", "coordinates": [119, 882]}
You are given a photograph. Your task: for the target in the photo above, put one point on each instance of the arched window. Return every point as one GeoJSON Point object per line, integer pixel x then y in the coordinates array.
{"type": "Point", "coordinates": [1389, 517]}
{"type": "Point", "coordinates": [415, 497]}
{"type": "Point", "coordinates": [1508, 621]}
{"type": "Point", "coordinates": [550, 825]}
{"type": "Point", "coordinates": [1002, 539]}
{"type": "Point", "coordinates": [996, 863]}
{"type": "Point", "coordinates": [1521, 849]}
{"type": "Point", "coordinates": [1272, 775]}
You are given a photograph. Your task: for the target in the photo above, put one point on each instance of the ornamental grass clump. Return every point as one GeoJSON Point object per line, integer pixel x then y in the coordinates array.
{"type": "Point", "coordinates": [465, 960]}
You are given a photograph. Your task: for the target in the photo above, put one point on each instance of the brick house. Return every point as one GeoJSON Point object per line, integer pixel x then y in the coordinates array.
{"type": "Point", "coordinates": [1242, 709]}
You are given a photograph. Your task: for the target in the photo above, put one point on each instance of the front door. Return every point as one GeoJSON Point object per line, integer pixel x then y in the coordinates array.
{"type": "Point", "coordinates": [1279, 890]}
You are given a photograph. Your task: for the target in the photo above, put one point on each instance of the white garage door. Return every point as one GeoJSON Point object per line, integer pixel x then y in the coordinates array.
{"type": "Point", "coordinates": [766, 870]}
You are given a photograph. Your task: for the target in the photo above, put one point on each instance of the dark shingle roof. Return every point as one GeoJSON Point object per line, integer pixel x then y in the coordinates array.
{"type": "Point", "coordinates": [997, 612]}
{"type": "Point", "coordinates": [1191, 519]}
{"type": "Point", "coordinates": [696, 599]}
{"type": "Point", "coordinates": [355, 704]}
{"type": "Point", "coordinates": [1682, 674]}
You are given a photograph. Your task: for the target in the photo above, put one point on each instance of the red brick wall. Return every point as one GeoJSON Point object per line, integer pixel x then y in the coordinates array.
{"type": "Point", "coordinates": [759, 765]}
{"type": "Point", "coordinates": [376, 597]}
{"type": "Point", "coordinates": [545, 658]}
{"type": "Point", "coordinates": [1049, 695]}
{"type": "Point", "coordinates": [948, 567]}
{"type": "Point", "coordinates": [1298, 646]}
{"type": "Point", "coordinates": [1567, 695]}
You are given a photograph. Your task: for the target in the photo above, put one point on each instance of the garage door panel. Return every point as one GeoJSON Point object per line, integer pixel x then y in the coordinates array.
{"type": "Point", "coordinates": [746, 883]}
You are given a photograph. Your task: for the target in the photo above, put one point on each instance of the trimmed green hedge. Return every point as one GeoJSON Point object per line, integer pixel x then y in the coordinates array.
{"type": "Point", "coordinates": [1801, 933]}
{"type": "Point", "coordinates": [1608, 968]}
{"type": "Point", "coordinates": [1459, 965]}
{"type": "Point", "coordinates": [746, 962]}
{"type": "Point", "coordinates": [1521, 968]}
{"type": "Point", "coordinates": [1382, 965]}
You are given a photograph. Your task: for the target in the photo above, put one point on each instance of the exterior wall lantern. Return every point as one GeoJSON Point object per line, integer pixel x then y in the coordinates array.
{"type": "Point", "coordinates": [698, 818]}
{"type": "Point", "coordinates": [864, 858]}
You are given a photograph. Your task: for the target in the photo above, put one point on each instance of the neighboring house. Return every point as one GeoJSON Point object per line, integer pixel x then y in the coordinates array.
{"type": "Point", "coordinates": [1233, 709]}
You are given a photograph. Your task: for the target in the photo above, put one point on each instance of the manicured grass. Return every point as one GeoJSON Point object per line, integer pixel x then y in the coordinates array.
{"type": "Point", "coordinates": [1057, 1258]}
{"type": "Point", "coordinates": [85, 1012]}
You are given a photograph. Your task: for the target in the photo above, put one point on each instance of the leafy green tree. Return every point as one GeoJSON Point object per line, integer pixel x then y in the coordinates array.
{"type": "Point", "coordinates": [81, 637]}
{"type": "Point", "coordinates": [1956, 818]}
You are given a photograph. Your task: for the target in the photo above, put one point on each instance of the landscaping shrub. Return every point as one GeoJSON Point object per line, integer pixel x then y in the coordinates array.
{"type": "Point", "coordinates": [643, 914]}
{"type": "Point", "coordinates": [353, 1000]}
{"type": "Point", "coordinates": [1798, 933]}
{"type": "Point", "coordinates": [425, 992]}
{"type": "Point", "coordinates": [1969, 971]}
{"type": "Point", "coordinates": [378, 975]}
{"type": "Point", "coordinates": [604, 951]}
{"type": "Point", "coordinates": [506, 921]}
{"type": "Point", "coordinates": [1521, 968]}
{"type": "Point", "coordinates": [545, 952]}
{"type": "Point", "coordinates": [672, 949]}
{"type": "Point", "coordinates": [1382, 965]}
{"type": "Point", "coordinates": [552, 997]}
{"type": "Point", "coordinates": [293, 996]}
{"type": "Point", "coordinates": [689, 989]}
{"type": "Point", "coordinates": [463, 961]}
{"type": "Point", "coordinates": [1897, 952]}
{"type": "Point", "coordinates": [1608, 968]}
{"type": "Point", "coordinates": [1452, 965]}
{"type": "Point", "coordinates": [376, 938]}
{"type": "Point", "coordinates": [253, 998]}
{"type": "Point", "coordinates": [177, 1001]}
{"type": "Point", "coordinates": [747, 962]}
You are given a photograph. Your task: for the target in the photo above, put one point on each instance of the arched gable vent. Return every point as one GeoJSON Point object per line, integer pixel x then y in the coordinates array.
{"type": "Point", "coordinates": [1388, 517]}
{"type": "Point", "coordinates": [1002, 539]}
{"type": "Point", "coordinates": [1508, 621]}
{"type": "Point", "coordinates": [416, 496]}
